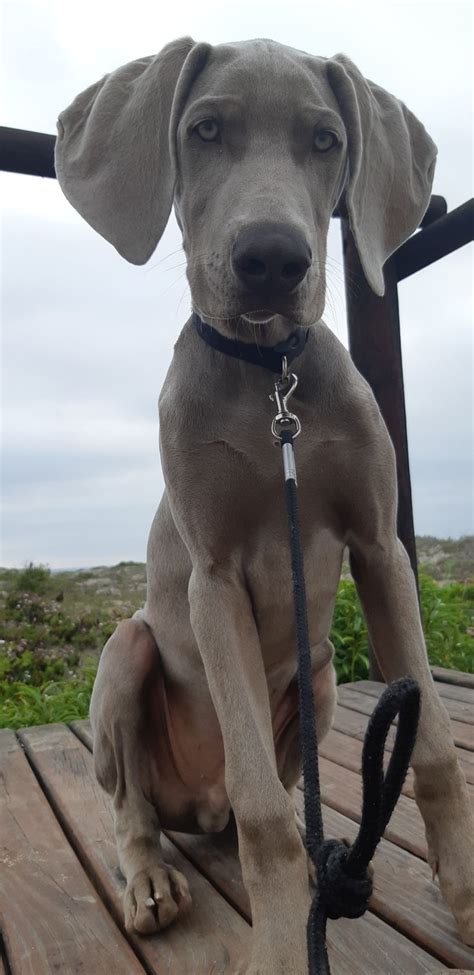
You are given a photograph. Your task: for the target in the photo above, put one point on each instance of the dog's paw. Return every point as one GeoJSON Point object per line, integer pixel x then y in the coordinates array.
{"type": "Point", "coordinates": [153, 899]}
{"type": "Point", "coordinates": [450, 837]}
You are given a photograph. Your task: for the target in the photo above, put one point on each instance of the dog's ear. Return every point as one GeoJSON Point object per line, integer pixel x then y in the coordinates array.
{"type": "Point", "coordinates": [115, 148]}
{"type": "Point", "coordinates": [391, 167]}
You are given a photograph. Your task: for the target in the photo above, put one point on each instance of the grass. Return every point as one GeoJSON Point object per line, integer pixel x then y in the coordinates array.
{"type": "Point", "coordinates": [53, 627]}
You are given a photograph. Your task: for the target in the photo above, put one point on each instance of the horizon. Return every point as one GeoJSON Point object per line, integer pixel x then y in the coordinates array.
{"type": "Point", "coordinates": [113, 565]}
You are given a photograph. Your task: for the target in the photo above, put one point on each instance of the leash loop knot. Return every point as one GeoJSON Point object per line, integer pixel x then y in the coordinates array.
{"type": "Point", "coordinates": [340, 894]}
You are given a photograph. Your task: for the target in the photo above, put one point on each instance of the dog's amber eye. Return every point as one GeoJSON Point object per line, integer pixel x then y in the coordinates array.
{"type": "Point", "coordinates": [207, 130]}
{"type": "Point", "coordinates": [324, 140]}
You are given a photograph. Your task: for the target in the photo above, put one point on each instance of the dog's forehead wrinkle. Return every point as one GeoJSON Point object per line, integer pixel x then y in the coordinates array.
{"type": "Point", "coordinates": [233, 69]}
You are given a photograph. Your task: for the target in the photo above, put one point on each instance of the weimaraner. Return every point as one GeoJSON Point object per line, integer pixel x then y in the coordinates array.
{"type": "Point", "coordinates": [194, 709]}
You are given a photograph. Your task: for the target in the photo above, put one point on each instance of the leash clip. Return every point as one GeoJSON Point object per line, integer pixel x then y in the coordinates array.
{"type": "Point", "coordinates": [284, 387]}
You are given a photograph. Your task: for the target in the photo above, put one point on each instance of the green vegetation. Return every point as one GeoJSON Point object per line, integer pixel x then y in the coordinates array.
{"type": "Point", "coordinates": [448, 623]}
{"type": "Point", "coordinates": [53, 626]}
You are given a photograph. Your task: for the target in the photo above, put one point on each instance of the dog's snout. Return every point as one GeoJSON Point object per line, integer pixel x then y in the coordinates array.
{"type": "Point", "coordinates": [271, 258]}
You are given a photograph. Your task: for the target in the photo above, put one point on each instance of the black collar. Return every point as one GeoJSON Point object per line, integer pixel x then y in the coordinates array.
{"type": "Point", "coordinates": [259, 355]}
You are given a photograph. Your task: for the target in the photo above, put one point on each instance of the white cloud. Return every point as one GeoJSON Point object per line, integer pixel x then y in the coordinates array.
{"type": "Point", "coordinates": [87, 339]}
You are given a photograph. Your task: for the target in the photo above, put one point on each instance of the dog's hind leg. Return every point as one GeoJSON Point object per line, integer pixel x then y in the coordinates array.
{"type": "Point", "coordinates": [129, 670]}
{"type": "Point", "coordinates": [287, 736]}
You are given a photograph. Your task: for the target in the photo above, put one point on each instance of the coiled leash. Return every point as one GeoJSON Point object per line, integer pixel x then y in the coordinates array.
{"type": "Point", "coordinates": [344, 884]}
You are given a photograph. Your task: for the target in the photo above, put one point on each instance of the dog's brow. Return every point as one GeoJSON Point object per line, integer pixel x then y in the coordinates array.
{"type": "Point", "coordinates": [314, 113]}
{"type": "Point", "coordinates": [212, 103]}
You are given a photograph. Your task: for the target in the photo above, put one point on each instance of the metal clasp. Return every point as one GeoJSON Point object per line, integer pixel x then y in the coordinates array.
{"type": "Point", "coordinates": [284, 388]}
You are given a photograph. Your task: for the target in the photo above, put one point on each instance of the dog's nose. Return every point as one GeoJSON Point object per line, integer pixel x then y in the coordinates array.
{"type": "Point", "coordinates": [270, 258]}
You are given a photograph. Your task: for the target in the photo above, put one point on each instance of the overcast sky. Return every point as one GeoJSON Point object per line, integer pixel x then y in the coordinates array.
{"type": "Point", "coordinates": [87, 338]}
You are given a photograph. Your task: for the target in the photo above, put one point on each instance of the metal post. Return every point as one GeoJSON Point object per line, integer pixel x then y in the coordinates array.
{"type": "Point", "coordinates": [375, 347]}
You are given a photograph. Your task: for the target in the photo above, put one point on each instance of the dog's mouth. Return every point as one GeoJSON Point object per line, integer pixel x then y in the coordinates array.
{"type": "Point", "coordinates": [262, 317]}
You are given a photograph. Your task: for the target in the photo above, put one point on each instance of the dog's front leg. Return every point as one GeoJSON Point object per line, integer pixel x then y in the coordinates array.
{"type": "Point", "coordinates": [271, 852]}
{"type": "Point", "coordinates": [387, 589]}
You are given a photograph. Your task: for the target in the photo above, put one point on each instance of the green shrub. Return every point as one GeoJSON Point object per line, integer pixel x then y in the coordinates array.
{"type": "Point", "coordinates": [349, 636]}
{"type": "Point", "coordinates": [43, 676]}
{"type": "Point", "coordinates": [33, 578]}
{"type": "Point", "coordinates": [64, 700]}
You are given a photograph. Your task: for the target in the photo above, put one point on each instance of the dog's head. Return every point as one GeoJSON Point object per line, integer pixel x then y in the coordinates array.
{"type": "Point", "coordinates": [255, 144]}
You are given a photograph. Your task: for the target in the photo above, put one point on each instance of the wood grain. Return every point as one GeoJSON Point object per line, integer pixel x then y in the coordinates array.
{"type": "Point", "coordinates": [354, 724]}
{"type": "Point", "coordinates": [453, 677]}
{"type": "Point", "coordinates": [211, 939]}
{"type": "Point", "coordinates": [458, 701]}
{"type": "Point", "coordinates": [347, 752]}
{"type": "Point", "coordinates": [404, 894]}
{"type": "Point", "coordinates": [355, 946]}
{"type": "Point", "coordinates": [367, 945]}
{"type": "Point", "coordinates": [51, 917]}
{"type": "Point", "coordinates": [341, 789]}
{"type": "Point", "coordinates": [463, 734]}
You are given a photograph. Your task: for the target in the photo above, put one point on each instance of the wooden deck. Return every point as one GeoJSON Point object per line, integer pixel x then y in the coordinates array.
{"type": "Point", "coordinates": [61, 890]}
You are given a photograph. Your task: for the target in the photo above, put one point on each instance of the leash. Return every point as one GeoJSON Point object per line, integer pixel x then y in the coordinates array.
{"type": "Point", "coordinates": [344, 881]}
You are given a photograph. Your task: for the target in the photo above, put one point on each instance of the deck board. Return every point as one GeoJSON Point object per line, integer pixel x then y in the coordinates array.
{"type": "Point", "coordinates": [407, 930]}
{"type": "Point", "coordinates": [347, 752]}
{"type": "Point", "coordinates": [354, 724]}
{"type": "Point", "coordinates": [217, 858]}
{"type": "Point", "coordinates": [459, 708]}
{"type": "Point", "coordinates": [42, 880]}
{"type": "Point", "coordinates": [457, 677]}
{"type": "Point", "coordinates": [462, 732]}
{"type": "Point", "coordinates": [209, 938]}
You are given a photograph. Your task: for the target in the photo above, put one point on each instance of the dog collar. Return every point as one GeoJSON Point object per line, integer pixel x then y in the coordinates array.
{"type": "Point", "coordinates": [270, 357]}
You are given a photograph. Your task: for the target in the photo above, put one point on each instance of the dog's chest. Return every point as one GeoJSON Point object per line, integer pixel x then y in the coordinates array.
{"type": "Point", "coordinates": [267, 570]}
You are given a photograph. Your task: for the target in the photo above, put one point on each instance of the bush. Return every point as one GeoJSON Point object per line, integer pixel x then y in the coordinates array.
{"type": "Point", "coordinates": [33, 578]}
{"type": "Point", "coordinates": [64, 700]}
{"type": "Point", "coordinates": [43, 676]}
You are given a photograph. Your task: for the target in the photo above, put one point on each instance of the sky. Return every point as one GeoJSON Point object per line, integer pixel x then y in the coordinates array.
{"type": "Point", "coordinates": [86, 338]}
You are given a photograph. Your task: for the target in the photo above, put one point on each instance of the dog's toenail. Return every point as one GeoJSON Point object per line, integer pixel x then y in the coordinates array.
{"type": "Point", "coordinates": [149, 902]}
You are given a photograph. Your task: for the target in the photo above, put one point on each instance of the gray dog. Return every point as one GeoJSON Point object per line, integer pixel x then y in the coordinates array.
{"type": "Point", "coordinates": [194, 708]}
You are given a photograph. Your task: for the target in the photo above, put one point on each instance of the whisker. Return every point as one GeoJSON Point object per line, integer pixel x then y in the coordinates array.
{"type": "Point", "coordinates": [170, 286]}
{"type": "Point", "coordinates": [165, 258]}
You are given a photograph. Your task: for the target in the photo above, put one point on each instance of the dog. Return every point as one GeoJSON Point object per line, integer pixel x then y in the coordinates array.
{"type": "Point", "coordinates": [194, 709]}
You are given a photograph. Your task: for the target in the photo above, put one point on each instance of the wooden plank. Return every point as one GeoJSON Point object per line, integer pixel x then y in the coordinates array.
{"type": "Point", "coordinates": [456, 693]}
{"type": "Point", "coordinates": [83, 731]}
{"type": "Point", "coordinates": [463, 734]}
{"type": "Point", "coordinates": [347, 752]}
{"type": "Point", "coordinates": [338, 747]}
{"type": "Point", "coordinates": [341, 789]}
{"type": "Point", "coordinates": [211, 938]}
{"type": "Point", "coordinates": [362, 946]}
{"type": "Point", "coordinates": [367, 945]}
{"type": "Point", "coordinates": [457, 709]}
{"type": "Point", "coordinates": [405, 895]}
{"type": "Point", "coordinates": [453, 677]}
{"type": "Point", "coordinates": [354, 725]}
{"type": "Point", "coordinates": [51, 917]}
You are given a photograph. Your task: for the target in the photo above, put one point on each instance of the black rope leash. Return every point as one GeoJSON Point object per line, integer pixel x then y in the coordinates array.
{"type": "Point", "coordinates": [344, 883]}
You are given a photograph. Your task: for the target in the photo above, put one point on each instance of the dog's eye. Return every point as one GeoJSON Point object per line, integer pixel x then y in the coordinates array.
{"type": "Point", "coordinates": [207, 130]}
{"type": "Point", "coordinates": [324, 140]}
